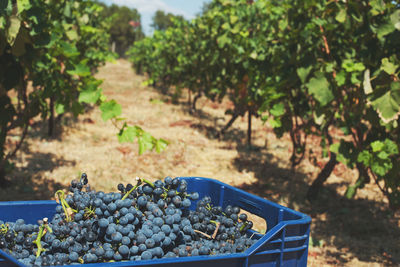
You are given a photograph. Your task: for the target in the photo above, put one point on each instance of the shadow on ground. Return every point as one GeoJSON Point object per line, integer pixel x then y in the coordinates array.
{"type": "Point", "coordinates": [358, 227]}
{"type": "Point", "coordinates": [27, 183]}
{"type": "Point", "coordinates": [211, 127]}
{"type": "Point", "coordinates": [39, 129]}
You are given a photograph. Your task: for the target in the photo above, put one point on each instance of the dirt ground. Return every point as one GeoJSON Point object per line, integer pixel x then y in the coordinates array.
{"type": "Point", "coordinates": [358, 232]}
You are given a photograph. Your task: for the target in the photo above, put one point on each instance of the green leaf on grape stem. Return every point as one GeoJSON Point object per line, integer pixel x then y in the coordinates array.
{"type": "Point", "coordinates": [161, 145]}
{"type": "Point", "coordinates": [384, 30]}
{"type": "Point", "coordinates": [80, 70]}
{"type": "Point", "coordinates": [391, 147]}
{"type": "Point", "coordinates": [364, 157]}
{"type": "Point", "coordinates": [381, 168]}
{"type": "Point", "coordinates": [303, 73]}
{"type": "Point", "coordinates": [127, 134]}
{"type": "Point", "coordinates": [72, 35]}
{"type": "Point", "coordinates": [23, 5]}
{"type": "Point", "coordinates": [351, 66]}
{"type": "Point", "coordinates": [60, 108]}
{"type": "Point", "coordinates": [319, 118]}
{"type": "Point", "coordinates": [319, 88]}
{"type": "Point", "coordinates": [367, 82]}
{"type": "Point", "coordinates": [69, 50]}
{"type": "Point", "coordinates": [341, 78]}
{"type": "Point", "coordinates": [275, 123]}
{"type": "Point", "coordinates": [395, 19]}
{"type": "Point", "coordinates": [223, 40]}
{"type": "Point", "coordinates": [341, 16]}
{"type": "Point", "coordinates": [377, 6]}
{"type": "Point", "coordinates": [233, 19]}
{"type": "Point", "coordinates": [334, 148]}
{"type": "Point", "coordinates": [145, 142]}
{"type": "Point", "coordinates": [90, 96]}
{"type": "Point", "coordinates": [387, 107]}
{"type": "Point", "coordinates": [383, 155]}
{"type": "Point", "coordinates": [110, 109]}
{"type": "Point", "coordinates": [388, 66]}
{"type": "Point", "coordinates": [278, 110]}
{"type": "Point", "coordinates": [377, 146]}
{"type": "Point", "coordinates": [13, 29]}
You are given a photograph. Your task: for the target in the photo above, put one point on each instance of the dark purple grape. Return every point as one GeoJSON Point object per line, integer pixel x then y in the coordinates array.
{"type": "Point", "coordinates": [121, 188]}
{"type": "Point", "coordinates": [84, 179]}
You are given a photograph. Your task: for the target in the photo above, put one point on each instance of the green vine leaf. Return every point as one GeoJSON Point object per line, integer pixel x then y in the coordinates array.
{"type": "Point", "coordinates": [395, 19]}
{"type": "Point", "coordinates": [72, 35]}
{"type": "Point", "coordinates": [80, 70]}
{"type": "Point", "coordinates": [319, 88]}
{"type": "Point", "coordinates": [341, 78]}
{"type": "Point", "coordinates": [303, 73]}
{"type": "Point", "coordinates": [377, 146]}
{"type": "Point", "coordinates": [384, 30]}
{"type": "Point", "coordinates": [161, 145]}
{"type": "Point", "coordinates": [145, 142]}
{"type": "Point", "coordinates": [391, 147]}
{"type": "Point", "coordinates": [127, 134]}
{"type": "Point", "coordinates": [13, 30]}
{"type": "Point", "coordinates": [367, 83]}
{"type": "Point", "coordinates": [60, 108]}
{"type": "Point", "coordinates": [341, 16]}
{"type": "Point", "coordinates": [90, 96]}
{"type": "Point", "coordinates": [351, 66]}
{"type": "Point", "coordinates": [110, 109]}
{"type": "Point", "coordinates": [364, 157]}
{"type": "Point", "coordinates": [388, 66]}
{"type": "Point", "coordinates": [387, 106]}
{"type": "Point", "coordinates": [278, 110]}
{"type": "Point", "coordinates": [23, 5]}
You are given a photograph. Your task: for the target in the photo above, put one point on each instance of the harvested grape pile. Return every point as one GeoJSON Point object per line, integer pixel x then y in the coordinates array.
{"type": "Point", "coordinates": [141, 222]}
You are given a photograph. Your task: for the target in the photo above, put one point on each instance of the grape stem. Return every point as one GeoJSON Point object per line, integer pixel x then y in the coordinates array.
{"type": "Point", "coordinates": [89, 212]}
{"type": "Point", "coordinates": [216, 229]}
{"type": "Point", "coordinates": [243, 226]}
{"type": "Point", "coordinates": [208, 206]}
{"type": "Point", "coordinates": [139, 182]}
{"type": "Point", "coordinates": [206, 235]}
{"type": "Point", "coordinates": [148, 182]}
{"type": "Point", "coordinates": [68, 211]}
{"type": "Point", "coordinates": [43, 229]}
{"type": "Point", "coordinates": [3, 228]}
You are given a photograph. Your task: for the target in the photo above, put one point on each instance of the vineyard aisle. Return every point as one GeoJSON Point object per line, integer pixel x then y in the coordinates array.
{"type": "Point", "coordinates": [345, 232]}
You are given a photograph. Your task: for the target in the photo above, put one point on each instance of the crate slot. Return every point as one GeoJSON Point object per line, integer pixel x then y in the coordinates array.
{"type": "Point", "coordinates": [284, 250]}
{"type": "Point", "coordinates": [294, 244]}
{"type": "Point", "coordinates": [295, 238]}
{"type": "Point", "coordinates": [276, 241]}
{"type": "Point", "coordinates": [272, 251]}
{"type": "Point", "coordinates": [295, 249]}
{"type": "Point", "coordinates": [270, 246]}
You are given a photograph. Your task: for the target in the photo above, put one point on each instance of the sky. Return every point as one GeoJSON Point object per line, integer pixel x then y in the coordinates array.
{"type": "Point", "coordinates": [147, 8]}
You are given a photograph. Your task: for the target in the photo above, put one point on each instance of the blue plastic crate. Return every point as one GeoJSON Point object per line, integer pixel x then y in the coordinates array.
{"type": "Point", "coordinates": [284, 244]}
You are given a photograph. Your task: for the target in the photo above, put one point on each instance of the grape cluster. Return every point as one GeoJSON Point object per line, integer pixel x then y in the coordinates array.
{"type": "Point", "coordinates": [141, 222]}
